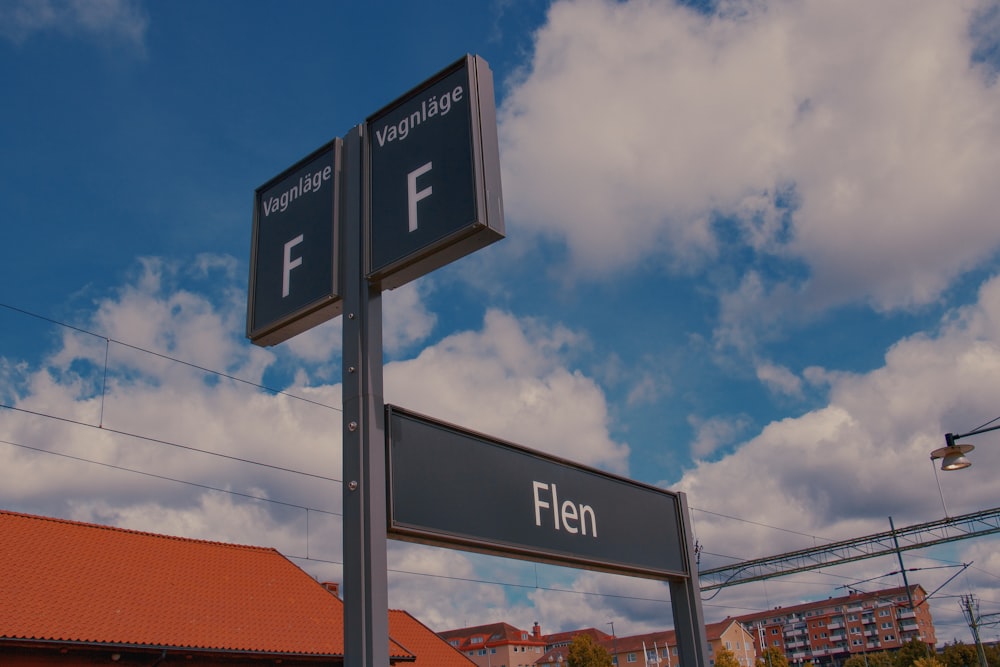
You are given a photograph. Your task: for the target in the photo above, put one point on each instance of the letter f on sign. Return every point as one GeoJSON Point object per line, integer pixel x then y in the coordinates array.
{"type": "Point", "coordinates": [289, 264]}
{"type": "Point", "coordinates": [413, 196]}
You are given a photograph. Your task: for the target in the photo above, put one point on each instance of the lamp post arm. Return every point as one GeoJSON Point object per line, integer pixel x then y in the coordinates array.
{"type": "Point", "coordinates": [950, 438]}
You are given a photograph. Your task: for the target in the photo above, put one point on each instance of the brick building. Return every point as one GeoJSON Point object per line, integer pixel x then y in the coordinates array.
{"type": "Point", "coordinates": [830, 631]}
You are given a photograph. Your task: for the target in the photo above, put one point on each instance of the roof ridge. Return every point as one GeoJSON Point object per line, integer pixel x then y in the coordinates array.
{"type": "Point", "coordinates": [133, 531]}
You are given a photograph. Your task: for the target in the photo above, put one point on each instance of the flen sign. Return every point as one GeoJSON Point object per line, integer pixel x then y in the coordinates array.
{"type": "Point", "coordinates": [453, 487]}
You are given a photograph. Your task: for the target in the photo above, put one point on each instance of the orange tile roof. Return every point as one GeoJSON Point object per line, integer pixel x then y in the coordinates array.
{"type": "Point", "coordinates": [421, 641]}
{"type": "Point", "coordinates": [85, 583]}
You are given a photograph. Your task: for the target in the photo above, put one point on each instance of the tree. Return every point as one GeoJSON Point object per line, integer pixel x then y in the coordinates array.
{"type": "Point", "coordinates": [772, 656]}
{"type": "Point", "coordinates": [908, 653]}
{"type": "Point", "coordinates": [726, 658]}
{"type": "Point", "coordinates": [927, 661]}
{"type": "Point", "coordinates": [585, 652]}
{"type": "Point", "coordinates": [960, 655]}
{"type": "Point", "coordinates": [879, 659]}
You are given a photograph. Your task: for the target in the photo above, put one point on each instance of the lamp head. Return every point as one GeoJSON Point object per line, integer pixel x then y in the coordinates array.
{"type": "Point", "coordinates": [952, 455]}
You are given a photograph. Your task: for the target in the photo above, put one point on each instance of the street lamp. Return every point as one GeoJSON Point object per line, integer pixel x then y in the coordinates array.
{"type": "Point", "coordinates": [952, 455]}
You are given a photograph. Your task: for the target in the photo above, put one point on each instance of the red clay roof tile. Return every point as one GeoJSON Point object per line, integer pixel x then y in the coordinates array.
{"type": "Point", "coordinates": [421, 641]}
{"type": "Point", "coordinates": [79, 582]}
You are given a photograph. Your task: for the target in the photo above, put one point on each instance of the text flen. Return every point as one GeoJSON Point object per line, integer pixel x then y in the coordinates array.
{"type": "Point", "coordinates": [574, 518]}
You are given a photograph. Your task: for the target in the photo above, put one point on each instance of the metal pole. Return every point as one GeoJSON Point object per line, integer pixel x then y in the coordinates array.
{"type": "Point", "coordinates": [902, 568]}
{"type": "Point", "coordinates": [366, 597]}
{"type": "Point", "coordinates": [972, 615]}
{"type": "Point", "coordinates": [685, 601]}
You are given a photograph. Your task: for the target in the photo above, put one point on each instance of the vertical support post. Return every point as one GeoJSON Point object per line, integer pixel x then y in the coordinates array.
{"type": "Point", "coordinates": [366, 597]}
{"type": "Point", "coordinates": [971, 609]}
{"type": "Point", "coordinates": [902, 568]}
{"type": "Point", "coordinates": [685, 602]}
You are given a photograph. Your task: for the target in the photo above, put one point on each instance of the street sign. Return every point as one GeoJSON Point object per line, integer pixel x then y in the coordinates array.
{"type": "Point", "coordinates": [434, 175]}
{"type": "Point", "coordinates": [294, 274]}
{"type": "Point", "coordinates": [452, 487]}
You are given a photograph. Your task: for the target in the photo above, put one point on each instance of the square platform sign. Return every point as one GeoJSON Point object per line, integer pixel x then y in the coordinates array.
{"type": "Point", "coordinates": [294, 267]}
{"type": "Point", "coordinates": [434, 175]}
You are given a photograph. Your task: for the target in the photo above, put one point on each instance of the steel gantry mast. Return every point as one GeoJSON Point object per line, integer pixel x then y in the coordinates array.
{"type": "Point", "coordinates": [917, 536]}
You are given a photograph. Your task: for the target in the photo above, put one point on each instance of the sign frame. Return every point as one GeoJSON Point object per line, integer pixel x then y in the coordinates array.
{"type": "Point", "coordinates": [400, 512]}
{"type": "Point", "coordinates": [486, 225]}
{"type": "Point", "coordinates": [325, 300]}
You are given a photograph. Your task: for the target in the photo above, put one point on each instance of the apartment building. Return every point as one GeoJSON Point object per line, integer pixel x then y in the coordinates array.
{"type": "Point", "coordinates": [498, 644]}
{"type": "Point", "coordinates": [830, 631]}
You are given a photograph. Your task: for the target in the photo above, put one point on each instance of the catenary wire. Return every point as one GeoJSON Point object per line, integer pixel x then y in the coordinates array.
{"type": "Point", "coordinates": [169, 479]}
{"type": "Point", "coordinates": [168, 443]}
{"type": "Point", "coordinates": [167, 357]}
{"type": "Point", "coordinates": [275, 467]}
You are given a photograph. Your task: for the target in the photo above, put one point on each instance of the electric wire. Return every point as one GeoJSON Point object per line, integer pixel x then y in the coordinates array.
{"type": "Point", "coordinates": [168, 443]}
{"type": "Point", "coordinates": [169, 479]}
{"type": "Point", "coordinates": [287, 394]}
{"type": "Point", "coordinates": [167, 357]}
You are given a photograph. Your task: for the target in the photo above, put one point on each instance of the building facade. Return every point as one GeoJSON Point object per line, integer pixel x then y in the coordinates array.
{"type": "Point", "coordinates": [830, 631]}
{"type": "Point", "coordinates": [498, 644]}
{"type": "Point", "coordinates": [659, 649]}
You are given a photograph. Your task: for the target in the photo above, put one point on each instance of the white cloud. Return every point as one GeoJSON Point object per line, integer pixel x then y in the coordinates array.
{"type": "Point", "coordinates": [648, 118]}
{"type": "Point", "coordinates": [153, 444]}
{"type": "Point", "coordinates": [839, 471]}
{"type": "Point", "coordinates": [710, 434]}
{"type": "Point", "coordinates": [778, 378]}
{"type": "Point", "coordinates": [511, 380]}
{"type": "Point", "coordinates": [123, 20]}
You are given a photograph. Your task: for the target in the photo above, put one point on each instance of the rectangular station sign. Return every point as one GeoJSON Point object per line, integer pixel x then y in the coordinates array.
{"type": "Point", "coordinates": [294, 267]}
{"type": "Point", "coordinates": [434, 175]}
{"type": "Point", "coordinates": [453, 487]}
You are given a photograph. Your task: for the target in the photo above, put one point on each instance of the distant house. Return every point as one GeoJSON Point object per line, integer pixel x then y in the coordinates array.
{"type": "Point", "coordinates": [660, 648]}
{"type": "Point", "coordinates": [78, 594]}
{"type": "Point", "coordinates": [498, 644]}
{"type": "Point", "coordinates": [503, 645]}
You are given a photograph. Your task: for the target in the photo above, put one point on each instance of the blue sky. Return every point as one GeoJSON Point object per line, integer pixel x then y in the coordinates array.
{"type": "Point", "coordinates": [751, 245]}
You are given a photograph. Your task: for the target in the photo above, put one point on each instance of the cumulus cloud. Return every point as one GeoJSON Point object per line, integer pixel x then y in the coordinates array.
{"type": "Point", "coordinates": [710, 434]}
{"type": "Point", "coordinates": [841, 470]}
{"type": "Point", "coordinates": [853, 140]}
{"type": "Point", "coordinates": [133, 426]}
{"type": "Point", "coordinates": [511, 380]}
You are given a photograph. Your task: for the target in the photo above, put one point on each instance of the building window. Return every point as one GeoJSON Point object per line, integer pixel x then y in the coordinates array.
{"type": "Point", "coordinates": [630, 657]}
{"type": "Point", "coordinates": [889, 638]}
{"type": "Point", "coordinates": [477, 640]}
{"type": "Point", "coordinates": [855, 631]}
{"type": "Point", "coordinates": [777, 642]}
{"type": "Point", "coordinates": [774, 631]}
{"type": "Point", "coordinates": [887, 625]}
{"type": "Point", "coordinates": [883, 612]}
